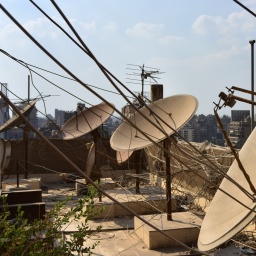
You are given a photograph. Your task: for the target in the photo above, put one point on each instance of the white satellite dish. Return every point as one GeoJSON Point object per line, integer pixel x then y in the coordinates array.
{"type": "Point", "coordinates": [174, 110]}
{"type": "Point", "coordinates": [225, 216]}
{"type": "Point", "coordinates": [16, 119]}
{"type": "Point", "coordinates": [86, 121]}
{"type": "Point", "coordinates": [122, 156]}
{"type": "Point", "coordinates": [90, 160]}
{"type": "Point", "coordinates": [7, 155]}
{"type": "Point", "coordinates": [2, 152]}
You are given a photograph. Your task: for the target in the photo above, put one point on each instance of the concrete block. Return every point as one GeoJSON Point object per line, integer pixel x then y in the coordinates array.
{"type": "Point", "coordinates": [80, 186]}
{"type": "Point", "coordinates": [23, 196]}
{"type": "Point", "coordinates": [107, 183]}
{"type": "Point", "coordinates": [140, 207]}
{"type": "Point", "coordinates": [184, 227]}
{"type": "Point", "coordinates": [108, 210]}
{"type": "Point", "coordinates": [32, 211]}
{"type": "Point", "coordinates": [34, 183]}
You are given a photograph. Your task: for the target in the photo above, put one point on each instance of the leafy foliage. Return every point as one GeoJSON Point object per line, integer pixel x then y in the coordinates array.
{"type": "Point", "coordinates": [43, 237]}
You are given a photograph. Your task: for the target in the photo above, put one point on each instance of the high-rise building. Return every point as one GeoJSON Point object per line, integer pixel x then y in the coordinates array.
{"type": "Point", "coordinates": [187, 132]}
{"type": "Point", "coordinates": [59, 117]}
{"type": "Point", "coordinates": [239, 132]}
{"type": "Point", "coordinates": [239, 115]}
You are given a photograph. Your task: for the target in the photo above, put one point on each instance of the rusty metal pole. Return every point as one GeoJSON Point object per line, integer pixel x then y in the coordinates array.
{"type": "Point", "coordinates": [25, 140]}
{"type": "Point", "coordinates": [137, 169]}
{"type": "Point", "coordinates": [18, 173]}
{"type": "Point", "coordinates": [168, 180]}
{"type": "Point", "coordinates": [26, 137]}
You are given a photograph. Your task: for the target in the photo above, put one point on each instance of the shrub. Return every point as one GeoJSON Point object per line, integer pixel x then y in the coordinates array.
{"type": "Point", "coordinates": [43, 237]}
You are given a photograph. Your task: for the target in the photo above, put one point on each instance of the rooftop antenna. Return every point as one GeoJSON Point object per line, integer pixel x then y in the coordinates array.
{"type": "Point", "coordinates": [144, 73]}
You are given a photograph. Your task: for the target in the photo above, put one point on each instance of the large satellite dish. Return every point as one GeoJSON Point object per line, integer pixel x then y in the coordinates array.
{"type": "Point", "coordinates": [7, 155]}
{"type": "Point", "coordinates": [90, 160]}
{"type": "Point", "coordinates": [16, 120]}
{"type": "Point", "coordinates": [122, 156]}
{"type": "Point", "coordinates": [86, 121]}
{"type": "Point", "coordinates": [2, 152]}
{"type": "Point", "coordinates": [225, 216]}
{"type": "Point", "coordinates": [174, 110]}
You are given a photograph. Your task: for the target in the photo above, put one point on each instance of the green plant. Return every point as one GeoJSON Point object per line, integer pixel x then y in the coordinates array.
{"type": "Point", "coordinates": [46, 237]}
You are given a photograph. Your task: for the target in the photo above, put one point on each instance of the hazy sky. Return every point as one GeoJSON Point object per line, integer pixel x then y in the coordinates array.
{"type": "Point", "coordinates": [202, 46]}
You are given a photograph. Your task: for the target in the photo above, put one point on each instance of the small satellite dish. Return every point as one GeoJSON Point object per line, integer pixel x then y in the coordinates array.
{"type": "Point", "coordinates": [90, 160]}
{"type": "Point", "coordinates": [7, 155]}
{"type": "Point", "coordinates": [16, 120]}
{"type": "Point", "coordinates": [2, 152]}
{"type": "Point", "coordinates": [86, 121]}
{"type": "Point", "coordinates": [122, 156]}
{"type": "Point", "coordinates": [174, 110]}
{"type": "Point", "coordinates": [225, 216]}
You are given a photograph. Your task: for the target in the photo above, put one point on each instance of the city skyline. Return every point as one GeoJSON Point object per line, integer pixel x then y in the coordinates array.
{"type": "Point", "coordinates": [201, 48]}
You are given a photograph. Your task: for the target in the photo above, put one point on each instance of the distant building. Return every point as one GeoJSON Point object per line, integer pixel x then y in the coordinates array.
{"type": "Point", "coordinates": [205, 128]}
{"type": "Point", "coordinates": [4, 109]}
{"type": "Point", "coordinates": [239, 115]}
{"type": "Point", "coordinates": [68, 115]}
{"type": "Point", "coordinates": [59, 117]}
{"type": "Point", "coordinates": [187, 132]}
{"type": "Point", "coordinates": [32, 117]}
{"type": "Point", "coordinates": [239, 132]}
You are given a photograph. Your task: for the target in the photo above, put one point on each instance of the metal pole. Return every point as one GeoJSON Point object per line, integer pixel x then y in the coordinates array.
{"type": "Point", "coordinates": [252, 42]}
{"type": "Point", "coordinates": [142, 82]}
{"type": "Point", "coordinates": [18, 176]}
{"type": "Point", "coordinates": [25, 138]}
{"type": "Point", "coordinates": [168, 180]}
{"type": "Point", "coordinates": [28, 88]}
{"type": "Point", "coordinates": [138, 170]}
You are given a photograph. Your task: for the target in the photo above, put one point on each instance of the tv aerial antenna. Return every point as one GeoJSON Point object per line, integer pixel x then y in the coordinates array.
{"type": "Point", "coordinates": [144, 73]}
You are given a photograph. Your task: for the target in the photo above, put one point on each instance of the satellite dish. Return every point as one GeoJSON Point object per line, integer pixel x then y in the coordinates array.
{"type": "Point", "coordinates": [174, 110]}
{"type": "Point", "coordinates": [90, 160]}
{"type": "Point", "coordinates": [2, 152]}
{"type": "Point", "coordinates": [86, 121]}
{"type": "Point", "coordinates": [16, 120]}
{"type": "Point", "coordinates": [122, 156]}
{"type": "Point", "coordinates": [225, 216]}
{"type": "Point", "coordinates": [7, 155]}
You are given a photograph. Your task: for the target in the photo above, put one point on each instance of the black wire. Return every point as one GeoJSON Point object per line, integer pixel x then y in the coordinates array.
{"type": "Point", "coordinates": [53, 73]}
{"type": "Point", "coordinates": [247, 9]}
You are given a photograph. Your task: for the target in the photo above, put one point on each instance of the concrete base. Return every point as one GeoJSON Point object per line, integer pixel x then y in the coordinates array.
{"type": "Point", "coordinates": [106, 184]}
{"type": "Point", "coordinates": [112, 210]}
{"type": "Point", "coordinates": [184, 227]}
{"type": "Point", "coordinates": [31, 183]}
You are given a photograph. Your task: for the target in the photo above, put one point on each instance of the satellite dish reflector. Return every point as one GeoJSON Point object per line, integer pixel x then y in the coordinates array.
{"type": "Point", "coordinates": [7, 155]}
{"type": "Point", "coordinates": [90, 160]}
{"type": "Point", "coordinates": [225, 216]}
{"type": "Point", "coordinates": [122, 156]}
{"type": "Point", "coordinates": [2, 152]}
{"type": "Point", "coordinates": [174, 110]}
{"type": "Point", "coordinates": [86, 121]}
{"type": "Point", "coordinates": [16, 120]}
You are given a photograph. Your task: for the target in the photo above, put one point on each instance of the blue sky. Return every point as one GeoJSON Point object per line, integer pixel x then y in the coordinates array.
{"type": "Point", "coordinates": [202, 46]}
